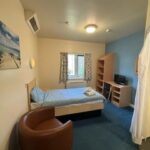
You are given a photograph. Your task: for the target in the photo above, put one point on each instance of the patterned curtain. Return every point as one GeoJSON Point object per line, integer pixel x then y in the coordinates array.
{"type": "Point", "coordinates": [63, 68]}
{"type": "Point", "coordinates": [88, 67]}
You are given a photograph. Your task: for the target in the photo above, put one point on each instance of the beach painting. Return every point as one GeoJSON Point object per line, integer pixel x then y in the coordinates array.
{"type": "Point", "coordinates": [9, 48]}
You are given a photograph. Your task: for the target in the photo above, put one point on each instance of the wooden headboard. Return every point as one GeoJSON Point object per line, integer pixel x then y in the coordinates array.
{"type": "Point", "coordinates": [30, 86]}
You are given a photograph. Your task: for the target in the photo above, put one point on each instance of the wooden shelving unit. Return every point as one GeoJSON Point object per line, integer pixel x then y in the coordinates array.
{"type": "Point", "coordinates": [120, 95]}
{"type": "Point", "coordinates": [104, 71]}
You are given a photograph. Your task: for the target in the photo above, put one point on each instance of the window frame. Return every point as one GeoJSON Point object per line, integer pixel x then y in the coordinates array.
{"type": "Point", "coordinates": [76, 76]}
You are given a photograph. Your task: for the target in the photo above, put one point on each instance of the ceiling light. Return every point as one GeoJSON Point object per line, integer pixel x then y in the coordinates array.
{"type": "Point", "coordinates": [91, 28]}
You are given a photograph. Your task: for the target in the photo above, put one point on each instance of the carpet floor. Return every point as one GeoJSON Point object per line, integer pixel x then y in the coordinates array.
{"type": "Point", "coordinates": [110, 131]}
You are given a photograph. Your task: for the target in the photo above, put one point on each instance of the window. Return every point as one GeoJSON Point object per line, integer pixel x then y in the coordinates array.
{"type": "Point", "coordinates": [76, 66]}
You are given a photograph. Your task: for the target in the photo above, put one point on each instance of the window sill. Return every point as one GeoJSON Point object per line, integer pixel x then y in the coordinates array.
{"type": "Point", "coordinates": [76, 81]}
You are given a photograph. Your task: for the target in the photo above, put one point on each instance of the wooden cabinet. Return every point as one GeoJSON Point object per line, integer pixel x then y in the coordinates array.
{"type": "Point", "coordinates": [104, 71]}
{"type": "Point", "coordinates": [120, 94]}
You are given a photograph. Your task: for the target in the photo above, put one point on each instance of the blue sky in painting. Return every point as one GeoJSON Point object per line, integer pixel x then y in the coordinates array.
{"type": "Point", "coordinates": [9, 42]}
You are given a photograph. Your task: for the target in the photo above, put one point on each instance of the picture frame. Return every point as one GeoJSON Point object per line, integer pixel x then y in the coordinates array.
{"type": "Point", "coordinates": [9, 48]}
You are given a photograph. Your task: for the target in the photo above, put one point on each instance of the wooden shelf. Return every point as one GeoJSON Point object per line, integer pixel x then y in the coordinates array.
{"type": "Point", "coordinates": [116, 97]}
{"type": "Point", "coordinates": [101, 70]}
{"type": "Point", "coordinates": [101, 67]}
{"type": "Point", "coordinates": [99, 84]}
{"type": "Point", "coordinates": [101, 87]}
{"type": "Point", "coordinates": [116, 92]}
{"type": "Point", "coordinates": [104, 70]}
{"type": "Point", "coordinates": [116, 89]}
{"type": "Point", "coordinates": [100, 77]}
{"type": "Point", "coordinates": [100, 80]}
{"type": "Point", "coordinates": [100, 73]}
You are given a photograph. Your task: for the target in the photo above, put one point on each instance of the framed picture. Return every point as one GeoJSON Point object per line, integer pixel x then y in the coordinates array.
{"type": "Point", "coordinates": [9, 48]}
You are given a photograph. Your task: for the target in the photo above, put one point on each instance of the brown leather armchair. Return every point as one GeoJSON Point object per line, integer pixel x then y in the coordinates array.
{"type": "Point", "coordinates": [40, 130]}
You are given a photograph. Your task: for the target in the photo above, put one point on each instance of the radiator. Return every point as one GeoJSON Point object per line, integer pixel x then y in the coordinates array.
{"type": "Point", "coordinates": [76, 84]}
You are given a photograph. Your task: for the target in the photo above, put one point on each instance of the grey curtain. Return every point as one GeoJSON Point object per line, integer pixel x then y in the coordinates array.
{"type": "Point", "coordinates": [88, 67]}
{"type": "Point", "coordinates": [63, 68]}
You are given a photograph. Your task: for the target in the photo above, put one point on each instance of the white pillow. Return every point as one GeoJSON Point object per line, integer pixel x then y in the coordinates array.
{"type": "Point", "coordinates": [37, 95]}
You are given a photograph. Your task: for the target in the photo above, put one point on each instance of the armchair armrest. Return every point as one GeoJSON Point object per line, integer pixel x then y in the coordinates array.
{"type": "Point", "coordinates": [48, 112]}
{"type": "Point", "coordinates": [38, 115]}
{"type": "Point", "coordinates": [56, 138]}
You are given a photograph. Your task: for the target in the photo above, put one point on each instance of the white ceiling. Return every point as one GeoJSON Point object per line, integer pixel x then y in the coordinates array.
{"type": "Point", "coordinates": [124, 17]}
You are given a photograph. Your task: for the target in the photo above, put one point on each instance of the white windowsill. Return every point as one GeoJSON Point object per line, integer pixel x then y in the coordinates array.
{"type": "Point", "coordinates": [76, 81]}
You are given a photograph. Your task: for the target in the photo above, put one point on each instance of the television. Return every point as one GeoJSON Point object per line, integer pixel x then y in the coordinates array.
{"type": "Point", "coordinates": [120, 79]}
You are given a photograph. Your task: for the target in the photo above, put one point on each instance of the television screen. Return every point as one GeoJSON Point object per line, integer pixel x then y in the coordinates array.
{"type": "Point", "coordinates": [120, 79]}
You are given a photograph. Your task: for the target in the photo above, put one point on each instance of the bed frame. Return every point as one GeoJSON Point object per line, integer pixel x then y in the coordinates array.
{"type": "Point", "coordinates": [67, 109]}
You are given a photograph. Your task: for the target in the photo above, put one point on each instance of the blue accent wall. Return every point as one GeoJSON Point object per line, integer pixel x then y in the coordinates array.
{"type": "Point", "coordinates": [126, 51]}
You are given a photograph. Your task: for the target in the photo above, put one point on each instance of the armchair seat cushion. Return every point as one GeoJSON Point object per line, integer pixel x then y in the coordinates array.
{"type": "Point", "coordinates": [48, 124]}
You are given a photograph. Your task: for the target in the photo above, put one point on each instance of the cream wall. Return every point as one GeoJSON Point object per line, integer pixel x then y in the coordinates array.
{"type": "Point", "coordinates": [49, 59]}
{"type": "Point", "coordinates": [13, 96]}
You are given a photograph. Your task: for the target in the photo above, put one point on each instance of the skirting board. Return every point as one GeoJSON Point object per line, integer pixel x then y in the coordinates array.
{"type": "Point", "coordinates": [132, 105]}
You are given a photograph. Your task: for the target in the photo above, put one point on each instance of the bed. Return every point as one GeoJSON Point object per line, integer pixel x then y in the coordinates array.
{"type": "Point", "coordinates": [66, 101]}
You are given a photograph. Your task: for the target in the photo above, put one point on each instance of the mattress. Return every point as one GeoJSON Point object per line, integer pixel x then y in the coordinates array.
{"type": "Point", "coordinates": [62, 97]}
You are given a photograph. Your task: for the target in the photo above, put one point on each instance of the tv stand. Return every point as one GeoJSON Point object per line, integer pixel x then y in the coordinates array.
{"type": "Point", "coordinates": [119, 95]}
